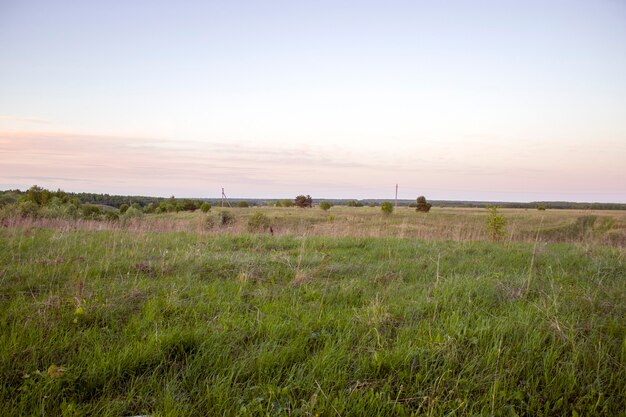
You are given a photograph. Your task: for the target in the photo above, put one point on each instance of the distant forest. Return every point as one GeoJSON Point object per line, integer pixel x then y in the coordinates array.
{"type": "Point", "coordinates": [11, 196]}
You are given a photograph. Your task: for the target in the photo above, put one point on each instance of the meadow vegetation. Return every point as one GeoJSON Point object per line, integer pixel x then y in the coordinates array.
{"type": "Point", "coordinates": [207, 313]}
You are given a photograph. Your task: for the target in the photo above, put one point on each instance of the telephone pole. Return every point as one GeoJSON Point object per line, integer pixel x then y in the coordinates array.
{"type": "Point", "coordinates": [225, 198]}
{"type": "Point", "coordinates": [396, 195]}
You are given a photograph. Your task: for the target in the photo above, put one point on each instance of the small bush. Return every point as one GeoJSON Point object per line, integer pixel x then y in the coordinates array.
{"type": "Point", "coordinates": [91, 212]}
{"type": "Point", "coordinates": [132, 213]}
{"type": "Point", "coordinates": [6, 199]}
{"type": "Point", "coordinates": [386, 208]}
{"type": "Point", "coordinates": [59, 211]}
{"type": "Point", "coordinates": [111, 216]}
{"type": "Point", "coordinates": [150, 208]}
{"type": "Point", "coordinates": [27, 208]}
{"type": "Point", "coordinates": [325, 205]}
{"type": "Point", "coordinates": [226, 218]}
{"type": "Point", "coordinates": [354, 203]}
{"type": "Point", "coordinates": [422, 205]}
{"type": "Point", "coordinates": [258, 222]}
{"type": "Point", "coordinates": [205, 207]}
{"type": "Point", "coordinates": [541, 207]}
{"type": "Point", "coordinates": [243, 204]}
{"type": "Point", "coordinates": [495, 223]}
{"type": "Point", "coordinates": [286, 203]}
{"type": "Point", "coordinates": [189, 205]}
{"type": "Point", "coordinates": [123, 208]}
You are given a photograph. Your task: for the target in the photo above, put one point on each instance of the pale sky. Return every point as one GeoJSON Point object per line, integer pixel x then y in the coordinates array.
{"type": "Point", "coordinates": [467, 100]}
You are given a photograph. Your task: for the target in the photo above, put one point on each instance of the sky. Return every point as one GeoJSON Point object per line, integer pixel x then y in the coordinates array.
{"type": "Point", "coordinates": [457, 100]}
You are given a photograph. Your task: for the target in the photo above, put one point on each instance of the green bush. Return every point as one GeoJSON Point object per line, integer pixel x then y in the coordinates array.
{"type": "Point", "coordinates": [386, 208]}
{"type": "Point", "coordinates": [189, 205]}
{"type": "Point", "coordinates": [150, 208]}
{"type": "Point", "coordinates": [90, 211]}
{"type": "Point", "coordinates": [325, 205]}
{"type": "Point", "coordinates": [354, 203]}
{"type": "Point", "coordinates": [27, 208]}
{"type": "Point", "coordinates": [59, 211]}
{"type": "Point", "coordinates": [258, 222]}
{"type": "Point", "coordinates": [226, 218]}
{"type": "Point", "coordinates": [541, 207]}
{"type": "Point", "coordinates": [286, 203]}
{"type": "Point", "coordinates": [123, 208]}
{"type": "Point", "coordinates": [132, 213]}
{"type": "Point", "coordinates": [495, 223]}
{"type": "Point", "coordinates": [111, 216]}
{"type": "Point", "coordinates": [243, 204]}
{"type": "Point", "coordinates": [205, 207]}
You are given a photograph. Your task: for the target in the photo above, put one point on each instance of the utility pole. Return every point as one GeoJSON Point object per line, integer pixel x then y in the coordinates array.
{"type": "Point", "coordinates": [396, 195]}
{"type": "Point", "coordinates": [225, 198]}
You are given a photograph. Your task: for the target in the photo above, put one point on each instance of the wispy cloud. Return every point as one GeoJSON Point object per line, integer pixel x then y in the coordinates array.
{"type": "Point", "coordinates": [20, 120]}
{"type": "Point", "coordinates": [136, 165]}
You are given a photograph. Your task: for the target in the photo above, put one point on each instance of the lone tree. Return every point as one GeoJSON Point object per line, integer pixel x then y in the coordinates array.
{"type": "Point", "coordinates": [422, 205]}
{"type": "Point", "coordinates": [495, 223]}
{"type": "Point", "coordinates": [304, 201]}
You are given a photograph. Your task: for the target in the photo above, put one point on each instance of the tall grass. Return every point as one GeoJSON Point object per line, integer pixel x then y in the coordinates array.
{"type": "Point", "coordinates": [125, 322]}
{"type": "Point", "coordinates": [576, 226]}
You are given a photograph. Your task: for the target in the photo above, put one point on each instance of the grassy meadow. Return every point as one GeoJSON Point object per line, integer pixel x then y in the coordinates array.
{"type": "Point", "coordinates": [338, 313]}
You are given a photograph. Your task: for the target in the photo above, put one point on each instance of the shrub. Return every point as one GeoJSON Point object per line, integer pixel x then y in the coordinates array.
{"type": "Point", "coordinates": [111, 216]}
{"type": "Point", "coordinates": [123, 208]}
{"type": "Point", "coordinates": [205, 207]}
{"type": "Point", "coordinates": [243, 204]}
{"type": "Point", "coordinates": [325, 205]}
{"type": "Point", "coordinates": [90, 211]}
{"type": "Point", "coordinates": [27, 208]}
{"type": "Point", "coordinates": [495, 223]}
{"type": "Point", "coordinates": [386, 208]}
{"type": "Point", "coordinates": [8, 211]}
{"type": "Point", "coordinates": [132, 213]}
{"type": "Point", "coordinates": [56, 211]}
{"type": "Point", "coordinates": [37, 195]}
{"type": "Point", "coordinates": [189, 205]}
{"type": "Point", "coordinates": [258, 222]}
{"type": "Point", "coordinates": [354, 203]}
{"type": "Point", "coordinates": [422, 204]}
{"type": "Point", "coordinates": [226, 218]}
{"type": "Point", "coordinates": [286, 203]}
{"type": "Point", "coordinates": [541, 207]}
{"type": "Point", "coordinates": [304, 201]}
{"type": "Point", "coordinates": [136, 206]}
{"type": "Point", "coordinates": [150, 208]}
{"type": "Point", "coordinates": [6, 199]}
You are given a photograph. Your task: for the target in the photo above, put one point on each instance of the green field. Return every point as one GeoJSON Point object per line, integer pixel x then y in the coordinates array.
{"type": "Point", "coordinates": [351, 315]}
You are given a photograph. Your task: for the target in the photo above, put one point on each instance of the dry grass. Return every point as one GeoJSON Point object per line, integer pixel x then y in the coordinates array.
{"type": "Point", "coordinates": [441, 224]}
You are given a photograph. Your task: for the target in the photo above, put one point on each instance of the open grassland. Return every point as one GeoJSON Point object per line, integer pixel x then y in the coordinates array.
{"type": "Point", "coordinates": [359, 315]}
{"type": "Point", "coordinates": [606, 227]}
